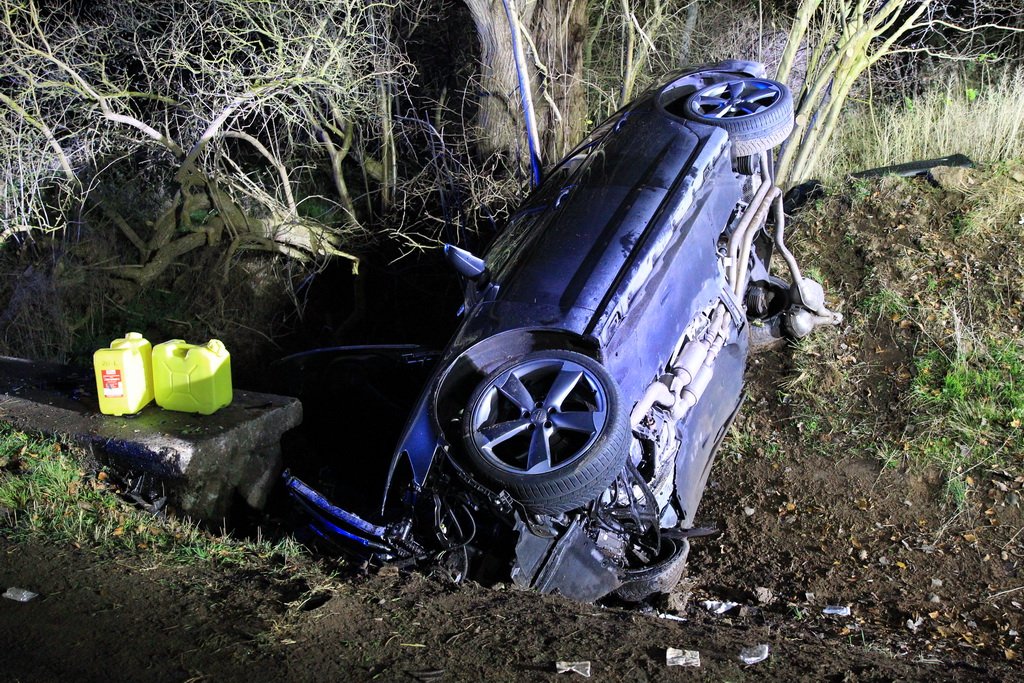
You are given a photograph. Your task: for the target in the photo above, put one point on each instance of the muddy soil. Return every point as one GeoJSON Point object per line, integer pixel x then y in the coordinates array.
{"type": "Point", "coordinates": [934, 590]}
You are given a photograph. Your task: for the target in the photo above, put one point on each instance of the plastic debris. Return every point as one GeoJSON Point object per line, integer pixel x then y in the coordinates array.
{"type": "Point", "coordinates": [581, 668]}
{"type": "Point", "coordinates": [20, 594]}
{"type": "Point", "coordinates": [914, 624]}
{"type": "Point", "coordinates": [836, 610]}
{"type": "Point", "coordinates": [754, 654]}
{"type": "Point", "coordinates": [670, 617]}
{"type": "Point", "coordinates": [719, 606]}
{"type": "Point", "coordinates": [676, 657]}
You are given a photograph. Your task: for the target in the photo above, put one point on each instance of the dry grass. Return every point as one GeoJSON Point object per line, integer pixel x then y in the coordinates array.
{"type": "Point", "coordinates": [984, 121]}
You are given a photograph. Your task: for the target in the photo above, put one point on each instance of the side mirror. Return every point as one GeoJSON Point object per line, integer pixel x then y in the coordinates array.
{"type": "Point", "coordinates": [465, 264]}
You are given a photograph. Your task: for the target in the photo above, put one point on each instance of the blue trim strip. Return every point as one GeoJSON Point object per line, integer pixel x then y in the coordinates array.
{"type": "Point", "coordinates": [316, 500]}
{"type": "Point", "coordinates": [385, 552]}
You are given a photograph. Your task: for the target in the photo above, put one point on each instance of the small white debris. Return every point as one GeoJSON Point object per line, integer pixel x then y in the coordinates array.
{"type": "Point", "coordinates": [809, 597]}
{"type": "Point", "coordinates": [675, 657]}
{"type": "Point", "coordinates": [20, 594]}
{"type": "Point", "coordinates": [862, 554]}
{"type": "Point", "coordinates": [764, 595]}
{"type": "Point", "coordinates": [718, 606]}
{"type": "Point", "coordinates": [914, 624]}
{"type": "Point", "coordinates": [581, 668]}
{"type": "Point", "coordinates": [936, 583]}
{"type": "Point", "coordinates": [755, 654]}
{"type": "Point", "coordinates": [836, 610]}
{"type": "Point", "coordinates": [749, 511]}
{"type": "Point", "coordinates": [670, 617]}
{"type": "Point", "coordinates": [934, 598]}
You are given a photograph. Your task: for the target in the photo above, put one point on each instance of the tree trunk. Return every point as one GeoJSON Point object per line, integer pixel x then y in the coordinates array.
{"type": "Point", "coordinates": [552, 35]}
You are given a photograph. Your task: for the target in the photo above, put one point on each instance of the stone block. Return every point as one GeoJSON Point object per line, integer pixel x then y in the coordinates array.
{"type": "Point", "coordinates": [203, 461]}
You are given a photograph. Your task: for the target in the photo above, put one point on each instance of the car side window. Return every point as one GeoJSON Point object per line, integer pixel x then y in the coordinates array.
{"type": "Point", "coordinates": [553, 190]}
{"type": "Point", "coordinates": [512, 239]}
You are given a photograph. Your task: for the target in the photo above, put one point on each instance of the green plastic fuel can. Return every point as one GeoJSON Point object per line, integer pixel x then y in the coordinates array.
{"type": "Point", "coordinates": [192, 378]}
{"type": "Point", "coordinates": [124, 375]}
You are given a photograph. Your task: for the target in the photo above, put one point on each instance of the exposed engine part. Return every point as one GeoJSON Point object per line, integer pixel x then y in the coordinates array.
{"type": "Point", "coordinates": [750, 223]}
{"type": "Point", "coordinates": [808, 309]}
{"type": "Point", "coordinates": [653, 453]}
{"type": "Point", "coordinates": [691, 371]}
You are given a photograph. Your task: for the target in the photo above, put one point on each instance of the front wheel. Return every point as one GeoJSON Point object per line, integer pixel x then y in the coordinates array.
{"type": "Point", "coordinates": [550, 428]}
{"type": "Point", "coordinates": [659, 577]}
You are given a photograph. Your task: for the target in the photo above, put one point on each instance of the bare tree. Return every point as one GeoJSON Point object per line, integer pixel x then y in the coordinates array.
{"type": "Point", "coordinates": [236, 100]}
{"type": "Point", "coordinates": [842, 39]}
{"type": "Point", "coordinates": [543, 83]}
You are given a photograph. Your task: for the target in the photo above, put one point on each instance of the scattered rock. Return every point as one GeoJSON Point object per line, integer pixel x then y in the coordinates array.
{"type": "Point", "coordinates": [388, 571]}
{"type": "Point", "coordinates": [934, 598]}
{"type": "Point", "coordinates": [20, 594]}
{"type": "Point", "coordinates": [754, 654]}
{"type": "Point", "coordinates": [675, 657]}
{"type": "Point", "coordinates": [764, 595]}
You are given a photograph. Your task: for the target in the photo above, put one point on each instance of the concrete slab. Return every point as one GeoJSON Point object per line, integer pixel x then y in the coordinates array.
{"type": "Point", "coordinates": [203, 460]}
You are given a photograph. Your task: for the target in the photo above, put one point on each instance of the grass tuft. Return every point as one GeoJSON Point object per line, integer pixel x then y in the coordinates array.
{"type": "Point", "coordinates": [968, 408]}
{"type": "Point", "coordinates": [47, 491]}
{"type": "Point", "coordinates": [927, 371]}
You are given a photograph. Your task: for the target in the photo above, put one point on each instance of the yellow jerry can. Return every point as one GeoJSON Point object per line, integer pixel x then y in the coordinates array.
{"type": "Point", "coordinates": [192, 378]}
{"type": "Point", "coordinates": [124, 375]}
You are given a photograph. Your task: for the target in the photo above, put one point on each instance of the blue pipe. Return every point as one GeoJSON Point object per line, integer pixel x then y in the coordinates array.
{"type": "Point", "coordinates": [528, 113]}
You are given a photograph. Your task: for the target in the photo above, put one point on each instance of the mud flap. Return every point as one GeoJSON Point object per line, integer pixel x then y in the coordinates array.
{"type": "Point", "coordinates": [571, 564]}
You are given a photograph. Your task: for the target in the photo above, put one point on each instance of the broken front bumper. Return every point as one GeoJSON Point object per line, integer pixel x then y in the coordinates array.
{"type": "Point", "coordinates": [356, 536]}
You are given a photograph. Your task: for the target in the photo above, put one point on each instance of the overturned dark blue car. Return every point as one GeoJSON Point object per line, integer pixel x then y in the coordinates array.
{"type": "Point", "coordinates": [563, 439]}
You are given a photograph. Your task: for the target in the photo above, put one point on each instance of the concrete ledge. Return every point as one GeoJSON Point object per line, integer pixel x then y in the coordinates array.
{"type": "Point", "coordinates": [203, 460]}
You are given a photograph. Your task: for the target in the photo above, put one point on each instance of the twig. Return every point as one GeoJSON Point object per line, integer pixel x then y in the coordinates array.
{"type": "Point", "coordinates": [1005, 592]}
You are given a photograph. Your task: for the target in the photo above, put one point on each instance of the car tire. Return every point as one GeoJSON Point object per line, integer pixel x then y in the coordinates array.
{"type": "Point", "coordinates": [550, 428]}
{"type": "Point", "coordinates": [660, 577]}
{"type": "Point", "coordinates": [757, 113]}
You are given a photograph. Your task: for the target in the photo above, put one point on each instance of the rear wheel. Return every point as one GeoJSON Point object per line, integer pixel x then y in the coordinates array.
{"type": "Point", "coordinates": [550, 428]}
{"type": "Point", "coordinates": [757, 113]}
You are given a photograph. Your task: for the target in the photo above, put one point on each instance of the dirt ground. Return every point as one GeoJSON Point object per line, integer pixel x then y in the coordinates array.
{"type": "Point", "coordinates": [798, 533]}
{"type": "Point", "coordinates": [934, 591]}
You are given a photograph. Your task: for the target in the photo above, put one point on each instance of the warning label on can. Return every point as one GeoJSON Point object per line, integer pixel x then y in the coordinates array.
{"type": "Point", "coordinates": [113, 387]}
